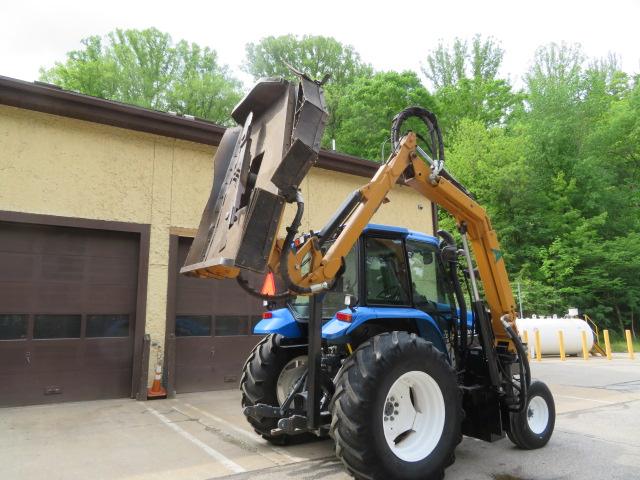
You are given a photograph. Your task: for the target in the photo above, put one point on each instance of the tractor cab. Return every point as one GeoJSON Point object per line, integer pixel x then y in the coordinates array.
{"type": "Point", "coordinates": [391, 275]}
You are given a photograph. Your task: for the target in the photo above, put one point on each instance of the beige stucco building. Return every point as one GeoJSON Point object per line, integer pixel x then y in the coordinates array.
{"type": "Point", "coordinates": [107, 193]}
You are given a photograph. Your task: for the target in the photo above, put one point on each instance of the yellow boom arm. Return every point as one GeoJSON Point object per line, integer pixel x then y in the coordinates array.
{"type": "Point", "coordinates": [436, 188]}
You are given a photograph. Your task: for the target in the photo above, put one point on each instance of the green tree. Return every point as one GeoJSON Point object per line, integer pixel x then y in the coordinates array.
{"type": "Point", "coordinates": [467, 84]}
{"type": "Point", "coordinates": [560, 180]}
{"type": "Point", "coordinates": [315, 56]}
{"type": "Point", "coordinates": [145, 68]}
{"type": "Point", "coordinates": [367, 107]}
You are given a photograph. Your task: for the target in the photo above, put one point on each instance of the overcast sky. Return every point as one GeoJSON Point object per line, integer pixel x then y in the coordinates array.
{"type": "Point", "coordinates": [390, 35]}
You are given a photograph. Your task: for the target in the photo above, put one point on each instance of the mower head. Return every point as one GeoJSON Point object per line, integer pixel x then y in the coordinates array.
{"type": "Point", "coordinates": [257, 169]}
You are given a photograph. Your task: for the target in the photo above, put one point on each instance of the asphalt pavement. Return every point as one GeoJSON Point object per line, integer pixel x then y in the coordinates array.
{"type": "Point", "coordinates": [204, 435]}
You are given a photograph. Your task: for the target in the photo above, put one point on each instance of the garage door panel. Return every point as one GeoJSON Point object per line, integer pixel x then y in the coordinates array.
{"type": "Point", "coordinates": [13, 357]}
{"type": "Point", "coordinates": [78, 289]}
{"type": "Point", "coordinates": [16, 297]}
{"type": "Point", "coordinates": [194, 300]}
{"type": "Point", "coordinates": [17, 238]}
{"type": "Point", "coordinates": [16, 267]}
{"type": "Point", "coordinates": [109, 298]}
{"type": "Point", "coordinates": [62, 268]}
{"type": "Point", "coordinates": [65, 355]}
{"type": "Point", "coordinates": [58, 297]}
{"type": "Point", "coordinates": [108, 354]}
{"type": "Point", "coordinates": [64, 387]}
{"type": "Point", "coordinates": [213, 330]}
{"type": "Point", "coordinates": [65, 241]}
{"type": "Point", "coordinates": [111, 245]}
{"type": "Point", "coordinates": [104, 270]}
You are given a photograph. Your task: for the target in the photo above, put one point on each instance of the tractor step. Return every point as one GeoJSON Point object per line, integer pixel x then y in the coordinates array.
{"type": "Point", "coordinates": [298, 424]}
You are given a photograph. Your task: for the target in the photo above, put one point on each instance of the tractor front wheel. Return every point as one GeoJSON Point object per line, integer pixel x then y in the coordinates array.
{"type": "Point", "coordinates": [532, 428]}
{"type": "Point", "coordinates": [396, 411]}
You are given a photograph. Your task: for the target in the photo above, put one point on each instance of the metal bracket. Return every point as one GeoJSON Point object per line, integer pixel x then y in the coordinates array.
{"type": "Point", "coordinates": [293, 425]}
{"type": "Point", "coordinates": [261, 410]}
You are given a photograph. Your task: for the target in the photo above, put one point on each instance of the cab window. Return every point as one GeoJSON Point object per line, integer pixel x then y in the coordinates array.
{"type": "Point", "coordinates": [333, 300]}
{"type": "Point", "coordinates": [387, 280]}
{"type": "Point", "coordinates": [426, 286]}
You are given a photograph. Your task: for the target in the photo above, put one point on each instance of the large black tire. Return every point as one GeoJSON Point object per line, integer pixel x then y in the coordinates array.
{"type": "Point", "coordinates": [259, 381]}
{"type": "Point", "coordinates": [524, 431]}
{"type": "Point", "coordinates": [361, 401]}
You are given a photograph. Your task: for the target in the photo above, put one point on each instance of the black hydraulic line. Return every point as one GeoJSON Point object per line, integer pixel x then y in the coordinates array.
{"type": "Point", "coordinates": [284, 271]}
{"type": "Point", "coordinates": [525, 368]}
{"type": "Point", "coordinates": [437, 145]}
{"type": "Point", "coordinates": [339, 217]}
{"type": "Point", "coordinates": [286, 248]}
{"type": "Point", "coordinates": [473, 325]}
{"type": "Point", "coordinates": [452, 253]}
{"type": "Point", "coordinates": [294, 391]}
{"type": "Point", "coordinates": [487, 341]}
{"type": "Point", "coordinates": [244, 284]}
{"type": "Point", "coordinates": [429, 119]}
{"type": "Point", "coordinates": [314, 360]}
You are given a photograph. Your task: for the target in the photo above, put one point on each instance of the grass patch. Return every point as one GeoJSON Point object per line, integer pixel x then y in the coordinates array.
{"type": "Point", "coordinates": [619, 342]}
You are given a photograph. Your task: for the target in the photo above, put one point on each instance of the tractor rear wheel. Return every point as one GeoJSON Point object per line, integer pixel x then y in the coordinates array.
{"type": "Point", "coordinates": [532, 428]}
{"type": "Point", "coordinates": [397, 410]}
{"type": "Point", "coordinates": [268, 376]}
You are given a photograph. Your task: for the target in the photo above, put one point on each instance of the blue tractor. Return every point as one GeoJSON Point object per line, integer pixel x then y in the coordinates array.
{"type": "Point", "coordinates": [394, 288]}
{"type": "Point", "coordinates": [380, 345]}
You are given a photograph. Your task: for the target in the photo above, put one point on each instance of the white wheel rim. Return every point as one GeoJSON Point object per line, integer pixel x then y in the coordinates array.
{"type": "Point", "coordinates": [288, 377]}
{"type": "Point", "coordinates": [413, 416]}
{"type": "Point", "coordinates": [537, 415]}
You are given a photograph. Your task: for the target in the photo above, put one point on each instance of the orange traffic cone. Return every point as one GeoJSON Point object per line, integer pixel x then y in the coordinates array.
{"type": "Point", "coordinates": [156, 390]}
{"type": "Point", "coordinates": [269, 285]}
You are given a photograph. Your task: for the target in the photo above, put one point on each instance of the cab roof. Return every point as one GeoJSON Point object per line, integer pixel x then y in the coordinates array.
{"type": "Point", "coordinates": [404, 232]}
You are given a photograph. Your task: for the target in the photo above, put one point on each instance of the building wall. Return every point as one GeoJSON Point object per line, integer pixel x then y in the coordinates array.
{"type": "Point", "coordinates": [60, 166]}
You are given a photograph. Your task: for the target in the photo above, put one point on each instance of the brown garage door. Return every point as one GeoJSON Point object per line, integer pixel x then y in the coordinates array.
{"type": "Point", "coordinates": [213, 324]}
{"type": "Point", "coordinates": [67, 313]}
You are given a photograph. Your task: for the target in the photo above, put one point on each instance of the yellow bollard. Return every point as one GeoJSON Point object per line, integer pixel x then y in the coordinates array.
{"type": "Point", "coordinates": [627, 333]}
{"type": "Point", "coordinates": [585, 352]}
{"type": "Point", "coordinates": [561, 345]}
{"type": "Point", "coordinates": [607, 344]}
{"type": "Point", "coordinates": [525, 338]}
{"type": "Point", "coordinates": [538, 346]}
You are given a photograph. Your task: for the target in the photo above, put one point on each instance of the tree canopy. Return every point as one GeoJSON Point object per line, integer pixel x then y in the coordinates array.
{"type": "Point", "coordinates": [145, 68]}
{"type": "Point", "coordinates": [466, 82]}
{"type": "Point", "coordinates": [366, 108]}
{"type": "Point", "coordinates": [313, 55]}
{"type": "Point", "coordinates": [560, 179]}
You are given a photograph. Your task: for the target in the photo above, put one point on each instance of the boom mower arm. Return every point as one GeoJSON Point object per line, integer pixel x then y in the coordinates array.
{"type": "Point", "coordinates": [259, 167]}
{"type": "Point", "coordinates": [430, 183]}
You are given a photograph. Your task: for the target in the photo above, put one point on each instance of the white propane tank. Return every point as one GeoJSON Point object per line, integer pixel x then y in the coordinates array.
{"type": "Point", "coordinates": [548, 327]}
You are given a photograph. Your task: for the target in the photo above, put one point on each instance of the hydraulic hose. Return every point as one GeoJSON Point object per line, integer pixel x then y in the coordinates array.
{"type": "Point", "coordinates": [429, 119]}
{"type": "Point", "coordinates": [436, 145]}
{"type": "Point", "coordinates": [525, 368]}
{"type": "Point", "coordinates": [286, 248]}
{"type": "Point", "coordinates": [244, 284]}
{"type": "Point", "coordinates": [452, 253]}
{"type": "Point", "coordinates": [284, 271]}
